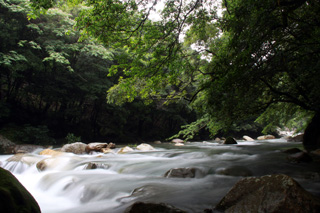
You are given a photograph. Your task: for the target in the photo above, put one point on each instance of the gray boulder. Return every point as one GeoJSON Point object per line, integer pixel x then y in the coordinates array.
{"type": "Point", "coordinates": [76, 148]}
{"type": "Point", "coordinates": [271, 193]}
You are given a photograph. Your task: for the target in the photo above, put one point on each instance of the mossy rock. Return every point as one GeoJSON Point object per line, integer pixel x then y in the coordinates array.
{"type": "Point", "coordinates": [14, 197]}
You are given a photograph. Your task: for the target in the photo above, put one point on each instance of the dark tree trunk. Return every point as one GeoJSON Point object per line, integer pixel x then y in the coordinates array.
{"type": "Point", "coordinates": [311, 138]}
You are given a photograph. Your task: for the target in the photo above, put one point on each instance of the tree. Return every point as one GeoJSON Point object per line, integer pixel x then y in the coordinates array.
{"type": "Point", "coordinates": [263, 61]}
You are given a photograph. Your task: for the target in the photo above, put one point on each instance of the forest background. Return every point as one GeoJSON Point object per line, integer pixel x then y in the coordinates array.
{"type": "Point", "coordinates": [104, 71]}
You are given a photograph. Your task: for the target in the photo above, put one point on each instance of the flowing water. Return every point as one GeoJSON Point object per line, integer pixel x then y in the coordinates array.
{"type": "Point", "coordinates": [122, 179]}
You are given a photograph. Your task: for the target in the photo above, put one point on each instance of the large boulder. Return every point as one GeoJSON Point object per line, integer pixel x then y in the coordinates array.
{"type": "Point", "coordinates": [14, 197]}
{"type": "Point", "coordinates": [140, 207]}
{"type": "Point", "coordinates": [271, 193]}
{"type": "Point", "coordinates": [311, 137]}
{"type": "Point", "coordinates": [76, 148]}
{"type": "Point", "coordinates": [296, 138]}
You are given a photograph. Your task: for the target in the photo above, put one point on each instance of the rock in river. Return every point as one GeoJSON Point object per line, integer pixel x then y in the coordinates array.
{"type": "Point", "coordinates": [271, 193]}
{"type": "Point", "coordinates": [14, 197]}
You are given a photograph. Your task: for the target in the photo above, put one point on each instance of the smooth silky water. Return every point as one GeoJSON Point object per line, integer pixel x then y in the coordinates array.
{"type": "Point", "coordinates": [66, 186]}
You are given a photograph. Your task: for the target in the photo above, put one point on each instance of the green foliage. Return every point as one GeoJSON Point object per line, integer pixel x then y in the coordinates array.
{"type": "Point", "coordinates": [71, 138]}
{"type": "Point", "coordinates": [28, 134]}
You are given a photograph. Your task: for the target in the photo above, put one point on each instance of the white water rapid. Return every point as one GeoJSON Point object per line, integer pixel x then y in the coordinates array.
{"type": "Point", "coordinates": [66, 186]}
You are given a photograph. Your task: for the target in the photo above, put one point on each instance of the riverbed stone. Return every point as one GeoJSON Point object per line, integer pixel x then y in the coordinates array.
{"type": "Point", "coordinates": [76, 148]}
{"type": "Point", "coordinates": [177, 140]}
{"type": "Point", "coordinates": [229, 140]}
{"type": "Point", "coordinates": [271, 193]}
{"type": "Point", "coordinates": [24, 158]}
{"type": "Point", "coordinates": [50, 152]}
{"type": "Point", "coordinates": [247, 138]}
{"type": "Point", "coordinates": [96, 147]}
{"type": "Point", "coordinates": [125, 149]}
{"type": "Point", "coordinates": [145, 147]}
{"type": "Point", "coordinates": [296, 138]}
{"type": "Point", "coordinates": [266, 137]}
{"type": "Point", "coordinates": [14, 197]}
{"type": "Point", "coordinates": [141, 207]}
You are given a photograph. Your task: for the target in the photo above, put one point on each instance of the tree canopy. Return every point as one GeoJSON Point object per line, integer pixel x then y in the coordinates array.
{"type": "Point", "coordinates": [258, 60]}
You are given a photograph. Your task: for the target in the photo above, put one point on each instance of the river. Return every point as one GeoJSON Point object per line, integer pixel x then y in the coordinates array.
{"type": "Point", "coordinates": [122, 179]}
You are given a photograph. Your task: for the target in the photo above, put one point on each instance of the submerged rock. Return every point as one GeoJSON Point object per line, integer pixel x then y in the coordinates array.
{"type": "Point", "coordinates": [292, 151]}
{"type": "Point", "coordinates": [297, 138]}
{"type": "Point", "coordinates": [271, 193]}
{"type": "Point", "coordinates": [140, 207]}
{"type": "Point", "coordinates": [300, 157]}
{"type": "Point", "coordinates": [14, 196]}
{"type": "Point", "coordinates": [184, 173]}
{"type": "Point", "coordinates": [235, 171]}
{"type": "Point", "coordinates": [76, 148]}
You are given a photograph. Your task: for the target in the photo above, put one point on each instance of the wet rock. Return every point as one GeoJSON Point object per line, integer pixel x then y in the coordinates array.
{"type": "Point", "coordinates": [230, 140]}
{"type": "Point", "coordinates": [271, 193]}
{"type": "Point", "coordinates": [179, 144]}
{"type": "Point", "coordinates": [157, 142]}
{"type": "Point", "coordinates": [140, 207]}
{"type": "Point", "coordinates": [247, 138]}
{"type": "Point", "coordinates": [125, 150]}
{"type": "Point", "coordinates": [76, 148]}
{"type": "Point", "coordinates": [49, 163]}
{"type": "Point", "coordinates": [14, 196]}
{"type": "Point", "coordinates": [297, 138]}
{"type": "Point", "coordinates": [26, 148]}
{"type": "Point", "coordinates": [177, 140]}
{"type": "Point", "coordinates": [300, 157]}
{"type": "Point", "coordinates": [50, 152]}
{"type": "Point", "coordinates": [235, 171]}
{"type": "Point", "coordinates": [96, 147]}
{"type": "Point", "coordinates": [184, 173]}
{"type": "Point", "coordinates": [292, 151]}
{"type": "Point", "coordinates": [96, 166]}
{"type": "Point", "coordinates": [145, 147]}
{"type": "Point", "coordinates": [266, 137]}
{"type": "Point", "coordinates": [111, 145]}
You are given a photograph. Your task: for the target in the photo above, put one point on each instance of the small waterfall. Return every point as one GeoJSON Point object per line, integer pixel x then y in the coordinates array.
{"type": "Point", "coordinates": [112, 182]}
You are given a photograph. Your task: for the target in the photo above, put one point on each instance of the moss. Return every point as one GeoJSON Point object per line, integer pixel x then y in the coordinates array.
{"type": "Point", "coordinates": [14, 197]}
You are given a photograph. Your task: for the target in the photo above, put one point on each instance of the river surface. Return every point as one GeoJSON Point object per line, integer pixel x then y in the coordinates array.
{"type": "Point", "coordinates": [122, 179]}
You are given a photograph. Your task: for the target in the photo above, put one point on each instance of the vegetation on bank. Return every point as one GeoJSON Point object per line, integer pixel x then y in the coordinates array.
{"type": "Point", "coordinates": [254, 66]}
